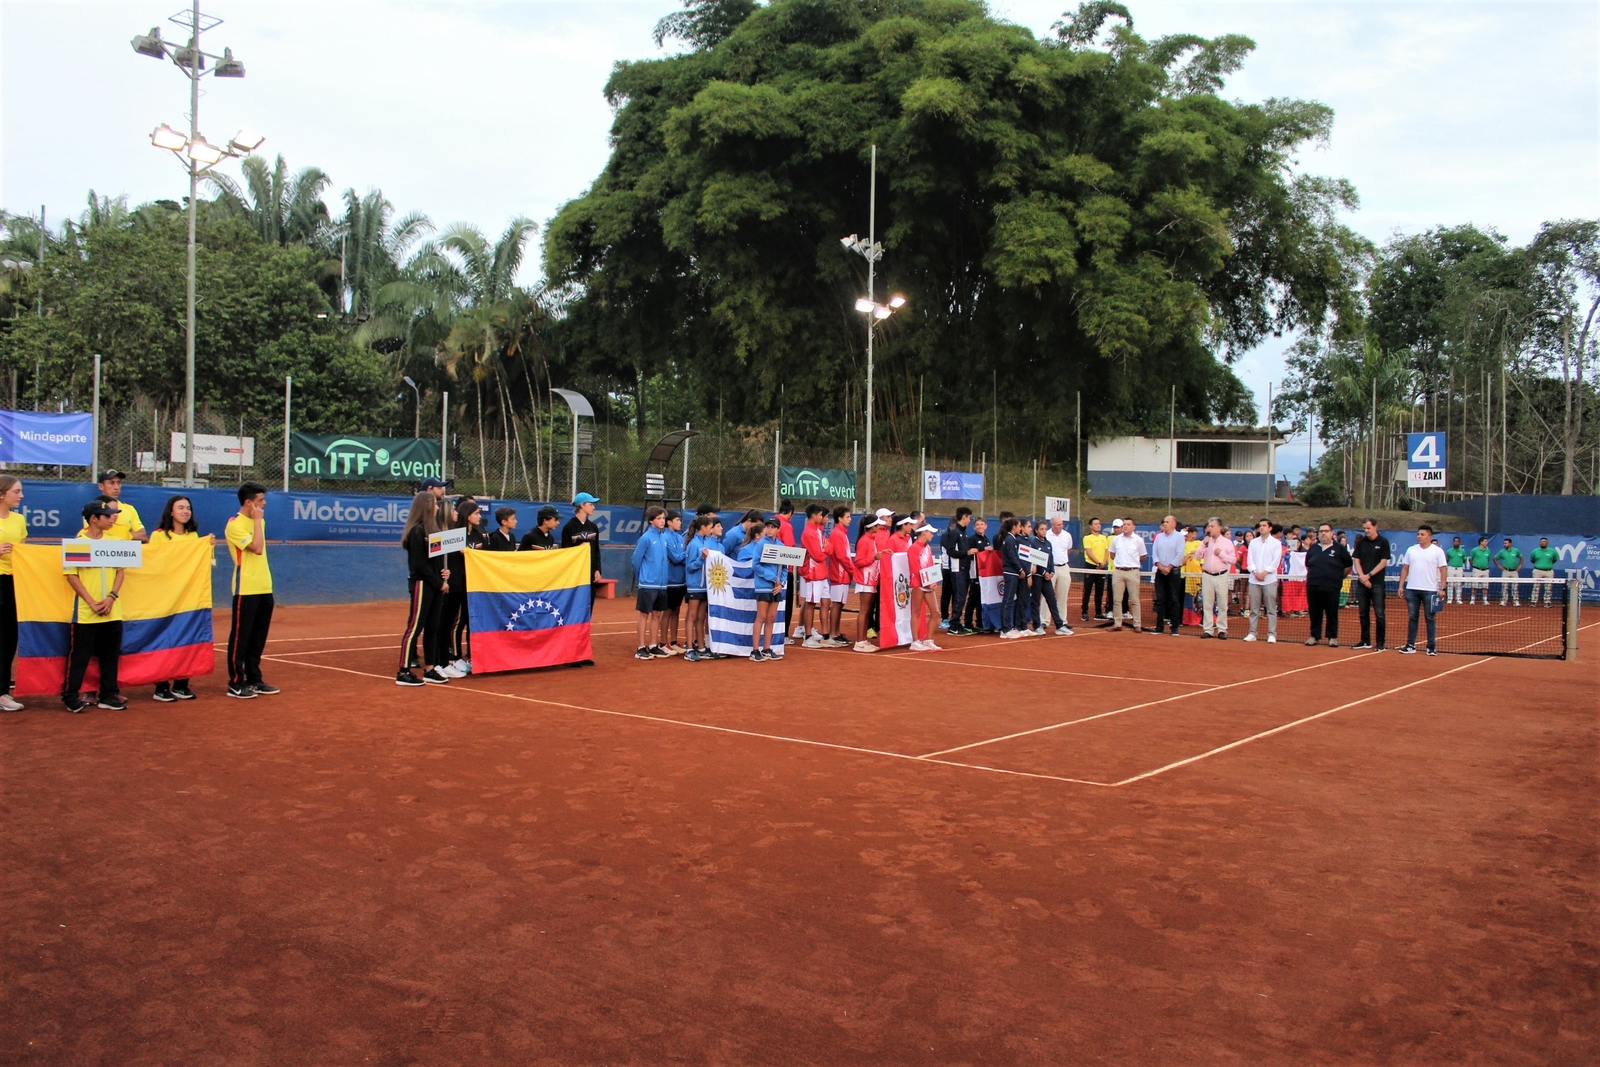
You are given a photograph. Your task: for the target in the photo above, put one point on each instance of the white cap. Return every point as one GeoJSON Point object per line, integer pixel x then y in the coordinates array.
{"type": "Point", "coordinates": [925, 528]}
{"type": "Point", "coordinates": [1116, 524]}
{"type": "Point", "coordinates": [905, 521]}
{"type": "Point", "coordinates": [885, 513]}
{"type": "Point", "coordinates": [875, 522]}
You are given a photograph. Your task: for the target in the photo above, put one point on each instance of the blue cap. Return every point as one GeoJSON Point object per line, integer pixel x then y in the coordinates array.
{"type": "Point", "coordinates": [432, 483]}
{"type": "Point", "coordinates": [584, 498]}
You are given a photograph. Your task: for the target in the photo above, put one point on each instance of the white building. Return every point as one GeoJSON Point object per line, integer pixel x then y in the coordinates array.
{"type": "Point", "coordinates": [1213, 464]}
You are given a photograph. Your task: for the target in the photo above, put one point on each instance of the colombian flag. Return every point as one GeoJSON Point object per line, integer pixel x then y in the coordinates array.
{"type": "Point", "coordinates": [528, 609]}
{"type": "Point", "coordinates": [166, 608]}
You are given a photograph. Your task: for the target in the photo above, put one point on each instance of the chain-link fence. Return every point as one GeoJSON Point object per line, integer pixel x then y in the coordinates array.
{"type": "Point", "coordinates": [727, 465]}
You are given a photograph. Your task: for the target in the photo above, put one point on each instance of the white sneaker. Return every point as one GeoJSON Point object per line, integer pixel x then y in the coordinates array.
{"type": "Point", "coordinates": [8, 704]}
{"type": "Point", "coordinates": [799, 634]}
{"type": "Point", "coordinates": [463, 666]}
{"type": "Point", "coordinates": [917, 646]}
{"type": "Point", "coordinates": [929, 646]}
{"type": "Point", "coordinates": [1009, 635]}
{"type": "Point", "coordinates": [449, 671]}
{"type": "Point", "coordinates": [1249, 637]}
{"type": "Point", "coordinates": [1272, 639]}
{"type": "Point", "coordinates": [812, 642]}
{"type": "Point", "coordinates": [866, 646]}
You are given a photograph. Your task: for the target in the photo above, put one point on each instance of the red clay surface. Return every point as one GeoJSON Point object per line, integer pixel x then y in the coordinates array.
{"type": "Point", "coordinates": [732, 863]}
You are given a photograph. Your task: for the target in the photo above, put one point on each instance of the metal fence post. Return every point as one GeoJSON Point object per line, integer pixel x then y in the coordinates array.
{"type": "Point", "coordinates": [95, 425]}
{"type": "Point", "coordinates": [1574, 606]}
{"type": "Point", "coordinates": [288, 402]}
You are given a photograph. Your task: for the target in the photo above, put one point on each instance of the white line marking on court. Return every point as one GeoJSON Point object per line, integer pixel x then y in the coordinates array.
{"type": "Point", "coordinates": [1048, 670]}
{"type": "Point", "coordinates": [1299, 722]}
{"type": "Point", "coordinates": [1145, 704]}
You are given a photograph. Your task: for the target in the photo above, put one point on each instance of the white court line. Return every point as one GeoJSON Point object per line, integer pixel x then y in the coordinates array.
{"type": "Point", "coordinates": [1145, 704]}
{"type": "Point", "coordinates": [1310, 718]}
{"type": "Point", "coordinates": [625, 714]}
{"type": "Point", "coordinates": [1045, 670]}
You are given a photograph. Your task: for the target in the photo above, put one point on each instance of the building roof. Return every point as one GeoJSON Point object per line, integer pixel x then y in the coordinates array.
{"type": "Point", "coordinates": [1212, 433]}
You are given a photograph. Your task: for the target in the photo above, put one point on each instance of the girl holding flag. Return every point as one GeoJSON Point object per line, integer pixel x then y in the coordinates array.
{"type": "Point", "coordinates": [870, 549]}
{"type": "Point", "coordinates": [429, 584]}
{"type": "Point", "coordinates": [767, 586]}
{"type": "Point", "coordinates": [705, 537]}
{"type": "Point", "coordinates": [924, 589]}
{"type": "Point", "coordinates": [177, 522]}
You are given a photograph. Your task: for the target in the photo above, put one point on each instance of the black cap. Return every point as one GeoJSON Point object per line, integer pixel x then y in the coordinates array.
{"type": "Point", "coordinates": [95, 508]}
{"type": "Point", "coordinates": [108, 474]}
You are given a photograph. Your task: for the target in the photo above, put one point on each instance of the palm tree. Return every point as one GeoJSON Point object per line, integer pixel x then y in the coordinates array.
{"type": "Point", "coordinates": [373, 246]}
{"type": "Point", "coordinates": [281, 209]}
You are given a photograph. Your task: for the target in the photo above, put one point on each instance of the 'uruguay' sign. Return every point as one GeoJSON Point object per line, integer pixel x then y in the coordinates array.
{"type": "Point", "coordinates": [46, 437]}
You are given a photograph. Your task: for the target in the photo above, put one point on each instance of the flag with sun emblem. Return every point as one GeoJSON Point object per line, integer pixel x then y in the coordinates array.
{"type": "Point", "coordinates": [731, 607]}
{"type": "Point", "coordinates": [894, 601]}
{"type": "Point", "coordinates": [528, 609]}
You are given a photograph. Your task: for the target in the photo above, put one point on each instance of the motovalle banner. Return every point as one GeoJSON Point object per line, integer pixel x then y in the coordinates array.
{"type": "Point", "coordinates": [46, 437]}
{"type": "Point", "coordinates": [364, 459]}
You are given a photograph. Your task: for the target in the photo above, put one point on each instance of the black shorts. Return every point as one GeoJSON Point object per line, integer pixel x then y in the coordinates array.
{"type": "Point", "coordinates": [675, 595]}
{"type": "Point", "coordinates": [650, 601]}
{"type": "Point", "coordinates": [697, 594]}
{"type": "Point", "coordinates": [767, 596]}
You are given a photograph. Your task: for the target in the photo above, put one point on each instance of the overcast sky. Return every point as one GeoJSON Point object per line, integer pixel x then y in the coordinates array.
{"type": "Point", "coordinates": [476, 111]}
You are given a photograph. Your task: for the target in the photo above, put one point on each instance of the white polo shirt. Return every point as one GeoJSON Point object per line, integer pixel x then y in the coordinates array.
{"type": "Point", "coordinates": [1127, 550]}
{"type": "Point", "coordinates": [1060, 546]}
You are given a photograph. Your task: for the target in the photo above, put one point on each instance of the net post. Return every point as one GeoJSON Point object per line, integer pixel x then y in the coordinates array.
{"type": "Point", "coordinates": [1574, 602]}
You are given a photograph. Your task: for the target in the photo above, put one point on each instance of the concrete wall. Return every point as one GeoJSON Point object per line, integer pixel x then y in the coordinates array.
{"type": "Point", "coordinates": [1149, 455]}
{"type": "Point", "coordinates": [1516, 514]}
{"type": "Point", "coordinates": [1186, 485]}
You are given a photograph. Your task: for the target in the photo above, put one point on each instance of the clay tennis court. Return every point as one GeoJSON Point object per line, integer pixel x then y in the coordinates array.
{"type": "Point", "coordinates": [1108, 848]}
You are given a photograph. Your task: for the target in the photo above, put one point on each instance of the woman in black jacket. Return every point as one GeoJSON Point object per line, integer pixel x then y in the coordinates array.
{"type": "Point", "coordinates": [453, 621]}
{"type": "Point", "coordinates": [1011, 576]}
{"type": "Point", "coordinates": [429, 583]}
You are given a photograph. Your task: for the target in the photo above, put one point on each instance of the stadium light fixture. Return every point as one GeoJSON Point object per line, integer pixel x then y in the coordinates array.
{"type": "Point", "coordinates": [227, 66]}
{"type": "Point", "coordinates": [897, 301]}
{"type": "Point", "coordinates": [150, 44]}
{"type": "Point", "coordinates": [164, 136]}
{"type": "Point", "coordinates": [197, 154]}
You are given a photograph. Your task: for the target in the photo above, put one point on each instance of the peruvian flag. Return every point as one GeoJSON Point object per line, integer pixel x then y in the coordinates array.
{"type": "Point", "coordinates": [894, 601]}
{"type": "Point", "coordinates": [989, 578]}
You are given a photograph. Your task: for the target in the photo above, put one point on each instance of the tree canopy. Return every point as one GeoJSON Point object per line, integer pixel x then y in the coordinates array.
{"type": "Point", "coordinates": [1083, 212]}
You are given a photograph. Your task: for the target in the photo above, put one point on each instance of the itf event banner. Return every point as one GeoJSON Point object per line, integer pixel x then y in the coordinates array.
{"type": "Point", "coordinates": [46, 437]}
{"type": "Point", "coordinates": [528, 609]}
{"type": "Point", "coordinates": [363, 459]}
{"type": "Point", "coordinates": [166, 610]}
{"type": "Point", "coordinates": [816, 483]}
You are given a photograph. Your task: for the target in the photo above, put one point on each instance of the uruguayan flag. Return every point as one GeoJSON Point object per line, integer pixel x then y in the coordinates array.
{"type": "Point", "coordinates": [732, 607]}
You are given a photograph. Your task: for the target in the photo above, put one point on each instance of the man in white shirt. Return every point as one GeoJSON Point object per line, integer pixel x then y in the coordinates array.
{"type": "Point", "coordinates": [1262, 560]}
{"type": "Point", "coordinates": [1423, 572]}
{"type": "Point", "coordinates": [1060, 539]}
{"type": "Point", "coordinates": [1127, 549]}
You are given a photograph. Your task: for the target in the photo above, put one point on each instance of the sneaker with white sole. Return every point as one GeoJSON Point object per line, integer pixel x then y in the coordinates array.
{"type": "Point", "coordinates": [1272, 639]}
{"type": "Point", "coordinates": [1249, 637]}
{"type": "Point", "coordinates": [814, 641]}
{"type": "Point", "coordinates": [464, 666]}
{"type": "Point", "coordinates": [916, 646]}
{"type": "Point", "coordinates": [929, 646]}
{"type": "Point", "coordinates": [8, 704]}
{"type": "Point", "coordinates": [433, 676]}
{"type": "Point", "coordinates": [865, 646]}
{"type": "Point", "coordinates": [449, 671]}
{"type": "Point", "coordinates": [405, 678]}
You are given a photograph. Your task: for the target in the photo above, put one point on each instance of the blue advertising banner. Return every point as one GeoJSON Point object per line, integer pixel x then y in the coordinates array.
{"type": "Point", "coordinates": [46, 437]}
{"type": "Point", "coordinates": [952, 485]}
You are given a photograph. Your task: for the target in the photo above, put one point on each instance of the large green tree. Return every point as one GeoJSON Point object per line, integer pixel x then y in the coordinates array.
{"type": "Point", "coordinates": [1084, 212]}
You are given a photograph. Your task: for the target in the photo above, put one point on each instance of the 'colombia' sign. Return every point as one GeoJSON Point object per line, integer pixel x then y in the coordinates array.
{"type": "Point", "coordinates": [363, 459]}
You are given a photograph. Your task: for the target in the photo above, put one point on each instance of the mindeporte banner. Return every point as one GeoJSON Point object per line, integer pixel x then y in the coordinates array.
{"type": "Point", "coordinates": [366, 459]}
{"type": "Point", "coordinates": [816, 483]}
{"type": "Point", "coordinates": [952, 485]}
{"type": "Point", "coordinates": [47, 437]}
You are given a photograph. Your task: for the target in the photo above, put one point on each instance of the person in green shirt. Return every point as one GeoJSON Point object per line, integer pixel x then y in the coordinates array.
{"type": "Point", "coordinates": [1455, 558]}
{"type": "Point", "coordinates": [1543, 561]}
{"type": "Point", "coordinates": [1479, 559]}
{"type": "Point", "coordinates": [1510, 561]}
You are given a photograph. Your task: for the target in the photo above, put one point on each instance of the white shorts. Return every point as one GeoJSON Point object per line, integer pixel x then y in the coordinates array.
{"type": "Point", "coordinates": [813, 592]}
{"type": "Point", "coordinates": [839, 592]}
{"type": "Point", "coordinates": [871, 583]}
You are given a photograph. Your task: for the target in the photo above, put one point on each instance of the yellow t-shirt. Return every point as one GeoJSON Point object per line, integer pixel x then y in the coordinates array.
{"type": "Point", "coordinates": [13, 531]}
{"type": "Point", "coordinates": [1094, 549]}
{"type": "Point", "coordinates": [99, 581]}
{"type": "Point", "coordinates": [127, 521]}
{"type": "Point", "coordinates": [251, 575]}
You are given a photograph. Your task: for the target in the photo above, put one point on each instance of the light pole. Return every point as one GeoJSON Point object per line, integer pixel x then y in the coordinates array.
{"type": "Point", "coordinates": [198, 155]}
{"type": "Point", "coordinates": [871, 251]}
{"type": "Point", "coordinates": [416, 430]}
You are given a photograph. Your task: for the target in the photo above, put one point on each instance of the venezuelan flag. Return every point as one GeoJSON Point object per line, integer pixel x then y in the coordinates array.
{"type": "Point", "coordinates": [166, 607]}
{"type": "Point", "coordinates": [528, 609]}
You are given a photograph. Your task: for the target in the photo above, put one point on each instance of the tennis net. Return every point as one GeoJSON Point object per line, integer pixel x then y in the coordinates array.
{"type": "Point", "coordinates": [1491, 616]}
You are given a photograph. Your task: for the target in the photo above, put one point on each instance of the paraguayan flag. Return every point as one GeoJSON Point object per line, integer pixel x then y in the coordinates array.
{"type": "Point", "coordinates": [731, 606]}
